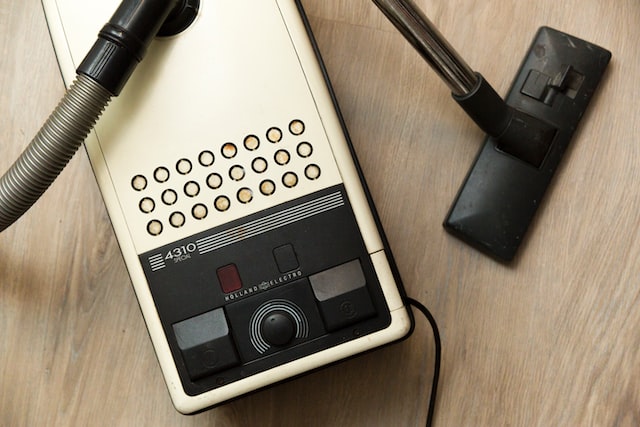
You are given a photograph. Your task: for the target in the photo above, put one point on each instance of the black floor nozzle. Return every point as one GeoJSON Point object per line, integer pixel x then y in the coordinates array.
{"type": "Point", "coordinates": [528, 132]}
{"type": "Point", "coordinates": [510, 176]}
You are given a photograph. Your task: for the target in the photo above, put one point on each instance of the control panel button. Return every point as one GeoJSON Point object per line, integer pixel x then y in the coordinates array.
{"type": "Point", "coordinates": [342, 295]}
{"type": "Point", "coordinates": [206, 344]}
{"type": "Point", "coordinates": [229, 278]}
{"type": "Point", "coordinates": [286, 258]}
{"type": "Point", "coordinates": [281, 318]}
{"type": "Point", "coordinates": [278, 328]}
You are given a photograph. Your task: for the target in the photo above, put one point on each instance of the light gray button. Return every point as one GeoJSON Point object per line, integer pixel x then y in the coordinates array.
{"type": "Point", "coordinates": [338, 280]}
{"type": "Point", "coordinates": [201, 329]}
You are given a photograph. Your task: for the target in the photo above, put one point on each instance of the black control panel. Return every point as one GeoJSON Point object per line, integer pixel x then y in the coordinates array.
{"type": "Point", "coordinates": [265, 290]}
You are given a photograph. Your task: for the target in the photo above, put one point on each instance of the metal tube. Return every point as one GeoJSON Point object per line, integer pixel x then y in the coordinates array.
{"type": "Point", "coordinates": [431, 45]}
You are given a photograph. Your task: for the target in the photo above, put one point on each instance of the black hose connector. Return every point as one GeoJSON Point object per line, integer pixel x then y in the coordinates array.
{"type": "Point", "coordinates": [123, 41]}
{"type": "Point", "coordinates": [515, 132]}
{"type": "Point", "coordinates": [486, 108]}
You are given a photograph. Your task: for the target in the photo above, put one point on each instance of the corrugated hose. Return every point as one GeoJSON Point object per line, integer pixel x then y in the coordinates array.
{"type": "Point", "coordinates": [51, 149]}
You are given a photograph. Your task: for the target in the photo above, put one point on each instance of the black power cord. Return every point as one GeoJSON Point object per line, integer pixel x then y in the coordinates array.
{"type": "Point", "coordinates": [438, 354]}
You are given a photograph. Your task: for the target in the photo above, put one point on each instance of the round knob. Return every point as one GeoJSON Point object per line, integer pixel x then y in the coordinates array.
{"type": "Point", "coordinates": [278, 329]}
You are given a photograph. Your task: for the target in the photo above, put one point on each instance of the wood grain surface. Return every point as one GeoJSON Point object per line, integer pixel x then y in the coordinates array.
{"type": "Point", "coordinates": [550, 340]}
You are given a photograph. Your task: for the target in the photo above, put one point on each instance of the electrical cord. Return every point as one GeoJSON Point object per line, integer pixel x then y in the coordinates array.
{"type": "Point", "coordinates": [438, 354]}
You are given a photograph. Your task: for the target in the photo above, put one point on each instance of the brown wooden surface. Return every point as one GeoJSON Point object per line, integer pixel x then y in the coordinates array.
{"type": "Point", "coordinates": [552, 340]}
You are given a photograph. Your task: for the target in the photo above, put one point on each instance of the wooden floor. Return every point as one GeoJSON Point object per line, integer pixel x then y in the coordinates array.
{"type": "Point", "coordinates": [551, 340]}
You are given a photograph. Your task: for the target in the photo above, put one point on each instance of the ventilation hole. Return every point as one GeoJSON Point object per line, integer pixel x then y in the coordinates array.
{"type": "Point", "coordinates": [214, 181]}
{"type": "Point", "coordinates": [251, 143]}
{"type": "Point", "coordinates": [147, 205]}
{"type": "Point", "coordinates": [222, 203]}
{"type": "Point", "coordinates": [177, 219]}
{"type": "Point", "coordinates": [282, 157]}
{"type": "Point", "coordinates": [274, 135]}
{"type": "Point", "coordinates": [199, 211]}
{"type": "Point", "coordinates": [229, 150]}
{"type": "Point", "coordinates": [191, 189]}
{"type": "Point", "coordinates": [161, 174]}
{"type": "Point", "coordinates": [259, 165]}
{"type": "Point", "coordinates": [267, 187]}
{"type": "Point", "coordinates": [304, 149]}
{"type": "Point", "coordinates": [312, 172]}
{"type": "Point", "coordinates": [206, 158]}
{"type": "Point", "coordinates": [139, 182]}
{"type": "Point", "coordinates": [184, 166]}
{"type": "Point", "coordinates": [154, 227]}
{"type": "Point", "coordinates": [169, 197]}
{"type": "Point", "coordinates": [290, 179]}
{"type": "Point", "coordinates": [236, 173]}
{"type": "Point", "coordinates": [296, 127]}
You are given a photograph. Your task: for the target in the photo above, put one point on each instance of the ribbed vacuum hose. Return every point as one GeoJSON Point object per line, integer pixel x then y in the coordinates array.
{"type": "Point", "coordinates": [52, 148]}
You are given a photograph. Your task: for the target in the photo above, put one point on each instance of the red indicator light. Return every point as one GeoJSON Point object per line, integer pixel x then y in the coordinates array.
{"type": "Point", "coordinates": [229, 278]}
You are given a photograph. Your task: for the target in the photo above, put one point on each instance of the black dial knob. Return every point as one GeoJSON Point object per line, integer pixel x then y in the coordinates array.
{"type": "Point", "coordinates": [278, 329]}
